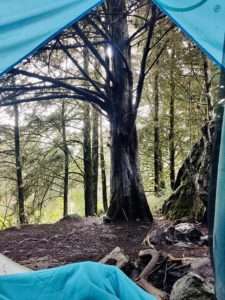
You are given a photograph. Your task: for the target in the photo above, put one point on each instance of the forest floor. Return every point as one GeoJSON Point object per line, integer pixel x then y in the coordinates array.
{"type": "Point", "coordinates": [73, 240]}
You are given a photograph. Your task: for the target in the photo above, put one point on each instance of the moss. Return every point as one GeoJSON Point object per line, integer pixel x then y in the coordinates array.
{"type": "Point", "coordinates": [184, 202]}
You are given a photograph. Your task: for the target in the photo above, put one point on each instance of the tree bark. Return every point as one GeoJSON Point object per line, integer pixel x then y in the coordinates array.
{"type": "Point", "coordinates": [207, 86]}
{"type": "Point", "coordinates": [103, 171]}
{"type": "Point", "coordinates": [88, 192]}
{"type": "Point", "coordinates": [87, 156]}
{"type": "Point", "coordinates": [95, 157]}
{"type": "Point", "coordinates": [191, 188]}
{"type": "Point", "coordinates": [158, 165]}
{"type": "Point", "coordinates": [172, 122]}
{"type": "Point", "coordinates": [66, 163]}
{"type": "Point", "coordinates": [19, 174]}
{"type": "Point", "coordinates": [128, 200]}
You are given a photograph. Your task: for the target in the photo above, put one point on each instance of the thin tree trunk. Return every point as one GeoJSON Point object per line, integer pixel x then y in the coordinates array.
{"type": "Point", "coordinates": [95, 158]}
{"type": "Point", "coordinates": [157, 154]}
{"type": "Point", "coordinates": [172, 122]}
{"type": "Point", "coordinates": [207, 83]}
{"type": "Point", "coordinates": [103, 171]}
{"type": "Point", "coordinates": [88, 192]}
{"type": "Point", "coordinates": [87, 157]}
{"type": "Point", "coordinates": [19, 174]}
{"type": "Point", "coordinates": [66, 163]}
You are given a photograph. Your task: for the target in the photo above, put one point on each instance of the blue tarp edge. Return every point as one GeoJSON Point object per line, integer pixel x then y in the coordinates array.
{"type": "Point", "coordinates": [35, 50]}
{"type": "Point", "coordinates": [189, 35]}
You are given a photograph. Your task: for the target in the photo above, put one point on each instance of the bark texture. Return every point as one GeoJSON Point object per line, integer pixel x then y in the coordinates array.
{"type": "Point", "coordinates": [19, 173]}
{"type": "Point", "coordinates": [172, 122]}
{"type": "Point", "coordinates": [158, 164]}
{"type": "Point", "coordinates": [87, 155]}
{"type": "Point", "coordinates": [103, 170]}
{"type": "Point", "coordinates": [95, 157]}
{"type": "Point", "coordinates": [191, 188]}
{"type": "Point", "coordinates": [128, 200]}
{"type": "Point", "coordinates": [88, 192]}
{"type": "Point", "coordinates": [66, 163]}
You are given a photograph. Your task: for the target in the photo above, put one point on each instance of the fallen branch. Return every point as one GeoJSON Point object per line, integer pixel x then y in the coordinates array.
{"type": "Point", "coordinates": [147, 286]}
{"type": "Point", "coordinates": [153, 261]}
{"type": "Point", "coordinates": [116, 257]}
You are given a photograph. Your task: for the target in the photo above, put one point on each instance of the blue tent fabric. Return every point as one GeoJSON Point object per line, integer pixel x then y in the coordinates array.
{"type": "Point", "coordinates": [202, 20]}
{"type": "Point", "coordinates": [26, 25]}
{"type": "Point", "coordinates": [80, 281]}
{"type": "Point", "coordinates": [219, 222]}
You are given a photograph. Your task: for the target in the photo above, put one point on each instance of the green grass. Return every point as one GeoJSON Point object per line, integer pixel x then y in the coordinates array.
{"type": "Point", "coordinates": [53, 211]}
{"type": "Point", "coordinates": [77, 201]}
{"type": "Point", "coordinates": [156, 203]}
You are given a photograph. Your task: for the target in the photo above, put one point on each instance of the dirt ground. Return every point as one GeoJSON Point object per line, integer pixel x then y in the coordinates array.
{"type": "Point", "coordinates": [44, 246]}
{"type": "Point", "coordinates": [74, 240]}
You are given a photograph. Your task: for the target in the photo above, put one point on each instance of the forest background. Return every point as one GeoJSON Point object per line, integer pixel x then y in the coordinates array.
{"type": "Point", "coordinates": [57, 139]}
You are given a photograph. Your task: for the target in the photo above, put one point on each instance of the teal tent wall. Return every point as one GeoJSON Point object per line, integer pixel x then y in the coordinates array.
{"type": "Point", "coordinates": [26, 25]}
{"type": "Point", "coordinates": [219, 220]}
{"type": "Point", "coordinates": [202, 20]}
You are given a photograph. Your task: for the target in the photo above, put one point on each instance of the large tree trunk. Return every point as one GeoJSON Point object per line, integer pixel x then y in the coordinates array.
{"type": "Point", "coordinates": [19, 174]}
{"type": "Point", "coordinates": [66, 163]}
{"type": "Point", "coordinates": [128, 200]}
{"type": "Point", "coordinates": [95, 158]}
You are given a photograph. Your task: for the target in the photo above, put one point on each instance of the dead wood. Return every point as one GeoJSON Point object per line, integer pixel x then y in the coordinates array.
{"type": "Point", "coordinates": [147, 286]}
{"type": "Point", "coordinates": [153, 261]}
{"type": "Point", "coordinates": [116, 257]}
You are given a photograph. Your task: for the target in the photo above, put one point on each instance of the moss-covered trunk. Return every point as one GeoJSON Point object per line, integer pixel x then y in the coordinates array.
{"type": "Point", "coordinates": [190, 196]}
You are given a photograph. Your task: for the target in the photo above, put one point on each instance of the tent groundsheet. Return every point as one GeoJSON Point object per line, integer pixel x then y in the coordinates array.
{"type": "Point", "coordinates": [80, 281]}
{"type": "Point", "coordinates": [8, 266]}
